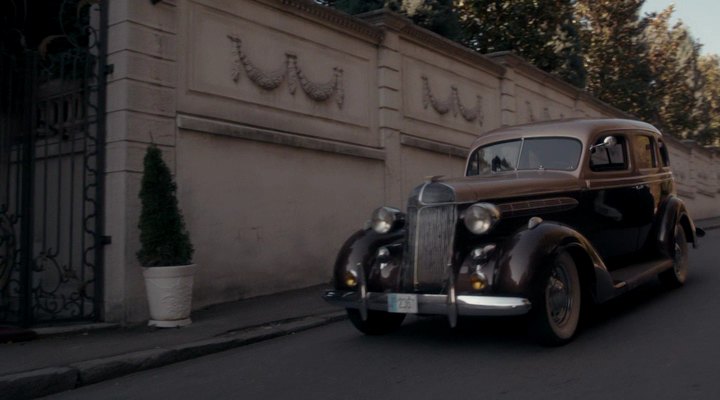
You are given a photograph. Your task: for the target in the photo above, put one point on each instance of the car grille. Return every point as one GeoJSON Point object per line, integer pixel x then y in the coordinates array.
{"type": "Point", "coordinates": [431, 233]}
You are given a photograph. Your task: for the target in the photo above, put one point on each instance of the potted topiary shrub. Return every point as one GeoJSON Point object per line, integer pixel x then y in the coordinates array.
{"type": "Point", "coordinates": [165, 249]}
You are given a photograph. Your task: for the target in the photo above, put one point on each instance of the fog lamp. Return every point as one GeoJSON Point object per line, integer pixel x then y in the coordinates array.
{"type": "Point", "coordinates": [482, 254]}
{"type": "Point", "coordinates": [383, 254]}
{"type": "Point", "coordinates": [351, 278]}
{"type": "Point", "coordinates": [478, 281]}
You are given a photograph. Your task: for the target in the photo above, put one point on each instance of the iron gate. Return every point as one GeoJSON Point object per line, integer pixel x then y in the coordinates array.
{"type": "Point", "coordinates": [51, 172]}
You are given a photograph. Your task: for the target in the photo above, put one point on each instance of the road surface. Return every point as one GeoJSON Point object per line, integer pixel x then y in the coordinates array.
{"type": "Point", "coordinates": [650, 344]}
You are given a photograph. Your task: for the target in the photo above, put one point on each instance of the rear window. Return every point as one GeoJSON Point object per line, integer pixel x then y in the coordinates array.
{"type": "Point", "coordinates": [548, 153]}
{"type": "Point", "coordinates": [644, 149]}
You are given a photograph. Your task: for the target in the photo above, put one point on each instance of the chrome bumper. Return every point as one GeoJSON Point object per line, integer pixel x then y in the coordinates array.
{"type": "Point", "coordinates": [439, 304]}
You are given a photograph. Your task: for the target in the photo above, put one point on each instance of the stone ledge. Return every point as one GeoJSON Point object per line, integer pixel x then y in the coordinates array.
{"type": "Point", "coordinates": [686, 194]}
{"type": "Point", "coordinates": [216, 127]}
{"type": "Point", "coordinates": [435, 147]}
{"type": "Point", "coordinates": [704, 192]}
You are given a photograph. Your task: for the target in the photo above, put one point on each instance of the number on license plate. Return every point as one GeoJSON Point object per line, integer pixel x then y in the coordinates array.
{"type": "Point", "coordinates": [402, 303]}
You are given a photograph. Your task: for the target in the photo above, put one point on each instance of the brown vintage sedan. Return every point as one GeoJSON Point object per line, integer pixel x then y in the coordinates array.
{"type": "Point", "coordinates": [549, 217]}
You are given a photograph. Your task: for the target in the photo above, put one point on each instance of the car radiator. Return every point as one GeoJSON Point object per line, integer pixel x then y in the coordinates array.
{"type": "Point", "coordinates": [431, 234]}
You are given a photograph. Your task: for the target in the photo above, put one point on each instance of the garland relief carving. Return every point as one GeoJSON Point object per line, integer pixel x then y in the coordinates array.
{"type": "Point", "coordinates": [452, 103]}
{"type": "Point", "coordinates": [290, 73]}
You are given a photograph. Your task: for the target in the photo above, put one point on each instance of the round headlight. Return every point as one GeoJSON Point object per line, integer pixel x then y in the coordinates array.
{"type": "Point", "coordinates": [383, 219]}
{"type": "Point", "coordinates": [479, 218]}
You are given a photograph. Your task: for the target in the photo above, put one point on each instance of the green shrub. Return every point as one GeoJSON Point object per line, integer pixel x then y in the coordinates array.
{"type": "Point", "coordinates": [163, 238]}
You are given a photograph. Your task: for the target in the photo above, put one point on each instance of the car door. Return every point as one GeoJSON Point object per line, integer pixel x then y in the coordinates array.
{"type": "Point", "coordinates": [609, 203]}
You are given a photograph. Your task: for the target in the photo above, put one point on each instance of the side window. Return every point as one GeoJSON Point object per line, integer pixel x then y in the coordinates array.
{"type": "Point", "coordinates": [644, 149]}
{"type": "Point", "coordinates": [496, 157]}
{"type": "Point", "coordinates": [609, 158]}
{"type": "Point", "coordinates": [664, 156]}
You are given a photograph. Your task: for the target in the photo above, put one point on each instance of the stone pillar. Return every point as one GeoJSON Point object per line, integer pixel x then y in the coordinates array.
{"type": "Point", "coordinates": [389, 66]}
{"type": "Point", "coordinates": [140, 110]}
{"type": "Point", "coordinates": [508, 102]}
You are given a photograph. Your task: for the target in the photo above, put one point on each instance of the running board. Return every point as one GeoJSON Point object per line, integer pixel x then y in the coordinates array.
{"type": "Point", "coordinates": [631, 277]}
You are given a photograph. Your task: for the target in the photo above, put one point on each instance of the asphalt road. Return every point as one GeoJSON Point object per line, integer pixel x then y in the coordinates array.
{"type": "Point", "coordinates": [650, 344]}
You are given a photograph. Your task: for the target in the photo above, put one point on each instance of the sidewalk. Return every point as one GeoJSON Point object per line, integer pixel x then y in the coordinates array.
{"type": "Point", "coordinates": [61, 359]}
{"type": "Point", "coordinates": [709, 223]}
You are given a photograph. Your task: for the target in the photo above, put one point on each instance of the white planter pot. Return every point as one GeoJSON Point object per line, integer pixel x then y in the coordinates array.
{"type": "Point", "coordinates": [169, 292]}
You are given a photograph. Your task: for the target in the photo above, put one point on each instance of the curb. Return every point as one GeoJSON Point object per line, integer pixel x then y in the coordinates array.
{"type": "Point", "coordinates": [46, 381]}
{"type": "Point", "coordinates": [708, 223]}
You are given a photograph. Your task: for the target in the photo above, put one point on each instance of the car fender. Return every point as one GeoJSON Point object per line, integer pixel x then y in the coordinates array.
{"type": "Point", "coordinates": [673, 212]}
{"type": "Point", "coordinates": [530, 250]}
{"type": "Point", "coordinates": [360, 251]}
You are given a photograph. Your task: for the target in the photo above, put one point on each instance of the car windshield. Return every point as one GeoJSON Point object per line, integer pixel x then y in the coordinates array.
{"type": "Point", "coordinates": [526, 154]}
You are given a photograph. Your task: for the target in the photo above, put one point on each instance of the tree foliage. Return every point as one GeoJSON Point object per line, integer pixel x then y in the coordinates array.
{"type": "Point", "coordinates": [439, 16]}
{"type": "Point", "coordinates": [709, 132]}
{"type": "Point", "coordinates": [639, 64]}
{"type": "Point", "coordinates": [163, 238]}
{"type": "Point", "coordinates": [676, 90]}
{"type": "Point", "coordinates": [543, 32]}
{"type": "Point", "coordinates": [611, 32]}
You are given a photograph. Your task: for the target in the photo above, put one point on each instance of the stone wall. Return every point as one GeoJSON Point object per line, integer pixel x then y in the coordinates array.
{"type": "Point", "coordinates": [287, 123]}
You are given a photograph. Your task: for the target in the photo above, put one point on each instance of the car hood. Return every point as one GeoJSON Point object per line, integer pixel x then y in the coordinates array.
{"type": "Point", "coordinates": [498, 186]}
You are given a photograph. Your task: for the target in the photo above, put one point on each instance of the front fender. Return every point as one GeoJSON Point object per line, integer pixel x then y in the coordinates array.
{"type": "Point", "coordinates": [523, 257]}
{"type": "Point", "coordinates": [361, 248]}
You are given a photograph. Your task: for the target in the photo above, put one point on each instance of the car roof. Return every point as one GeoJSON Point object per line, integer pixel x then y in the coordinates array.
{"type": "Point", "coordinates": [582, 129]}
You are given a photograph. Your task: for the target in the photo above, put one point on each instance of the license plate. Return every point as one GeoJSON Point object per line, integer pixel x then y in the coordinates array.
{"type": "Point", "coordinates": [402, 303]}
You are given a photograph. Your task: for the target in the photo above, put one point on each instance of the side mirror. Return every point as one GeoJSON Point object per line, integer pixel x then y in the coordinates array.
{"type": "Point", "coordinates": [609, 141]}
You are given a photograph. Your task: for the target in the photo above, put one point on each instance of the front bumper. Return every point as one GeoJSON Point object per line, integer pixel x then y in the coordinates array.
{"type": "Point", "coordinates": [438, 304]}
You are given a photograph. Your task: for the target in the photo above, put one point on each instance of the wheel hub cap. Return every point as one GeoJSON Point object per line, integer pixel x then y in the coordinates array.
{"type": "Point", "coordinates": [559, 296]}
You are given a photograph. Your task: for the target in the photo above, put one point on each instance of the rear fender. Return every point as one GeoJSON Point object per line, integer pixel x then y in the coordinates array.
{"type": "Point", "coordinates": [673, 213]}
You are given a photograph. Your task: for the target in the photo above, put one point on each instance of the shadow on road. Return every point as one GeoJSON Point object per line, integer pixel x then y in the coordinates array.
{"type": "Point", "coordinates": [512, 331]}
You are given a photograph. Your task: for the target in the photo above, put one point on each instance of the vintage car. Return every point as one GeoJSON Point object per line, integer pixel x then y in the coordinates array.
{"type": "Point", "coordinates": [549, 217]}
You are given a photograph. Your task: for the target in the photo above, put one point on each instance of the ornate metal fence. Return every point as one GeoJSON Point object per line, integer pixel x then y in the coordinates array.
{"type": "Point", "coordinates": [51, 175]}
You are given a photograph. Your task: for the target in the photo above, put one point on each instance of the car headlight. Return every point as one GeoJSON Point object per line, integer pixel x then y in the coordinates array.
{"type": "Point", "coordinates": [479, 218]}
{"type": "Point", "coordinates": [385, 218]}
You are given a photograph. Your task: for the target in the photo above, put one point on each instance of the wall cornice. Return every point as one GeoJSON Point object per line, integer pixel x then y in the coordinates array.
{"type": "Point", "coordinates": [679, 144]}
{"type": "Point", "coordinates": [697, 147]}
{"type": "Point", "coordinates": [330, 16]}
{"type": "Point", "coordinates": [407, 29]}
{"type": "Point", "coordinates": [519, 64]}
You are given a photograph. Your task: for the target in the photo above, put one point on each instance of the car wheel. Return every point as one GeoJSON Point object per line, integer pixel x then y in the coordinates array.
{"type": "Point", "coordinates": [556, 304]}
{"type": "Point", "coordinates": [676, 276]}
{"type": "Point", "coordinates": [377, 322]}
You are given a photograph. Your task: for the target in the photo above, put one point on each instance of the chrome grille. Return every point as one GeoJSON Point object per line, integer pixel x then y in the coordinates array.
{"type": "Point", "coordinates": [431, 234]}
